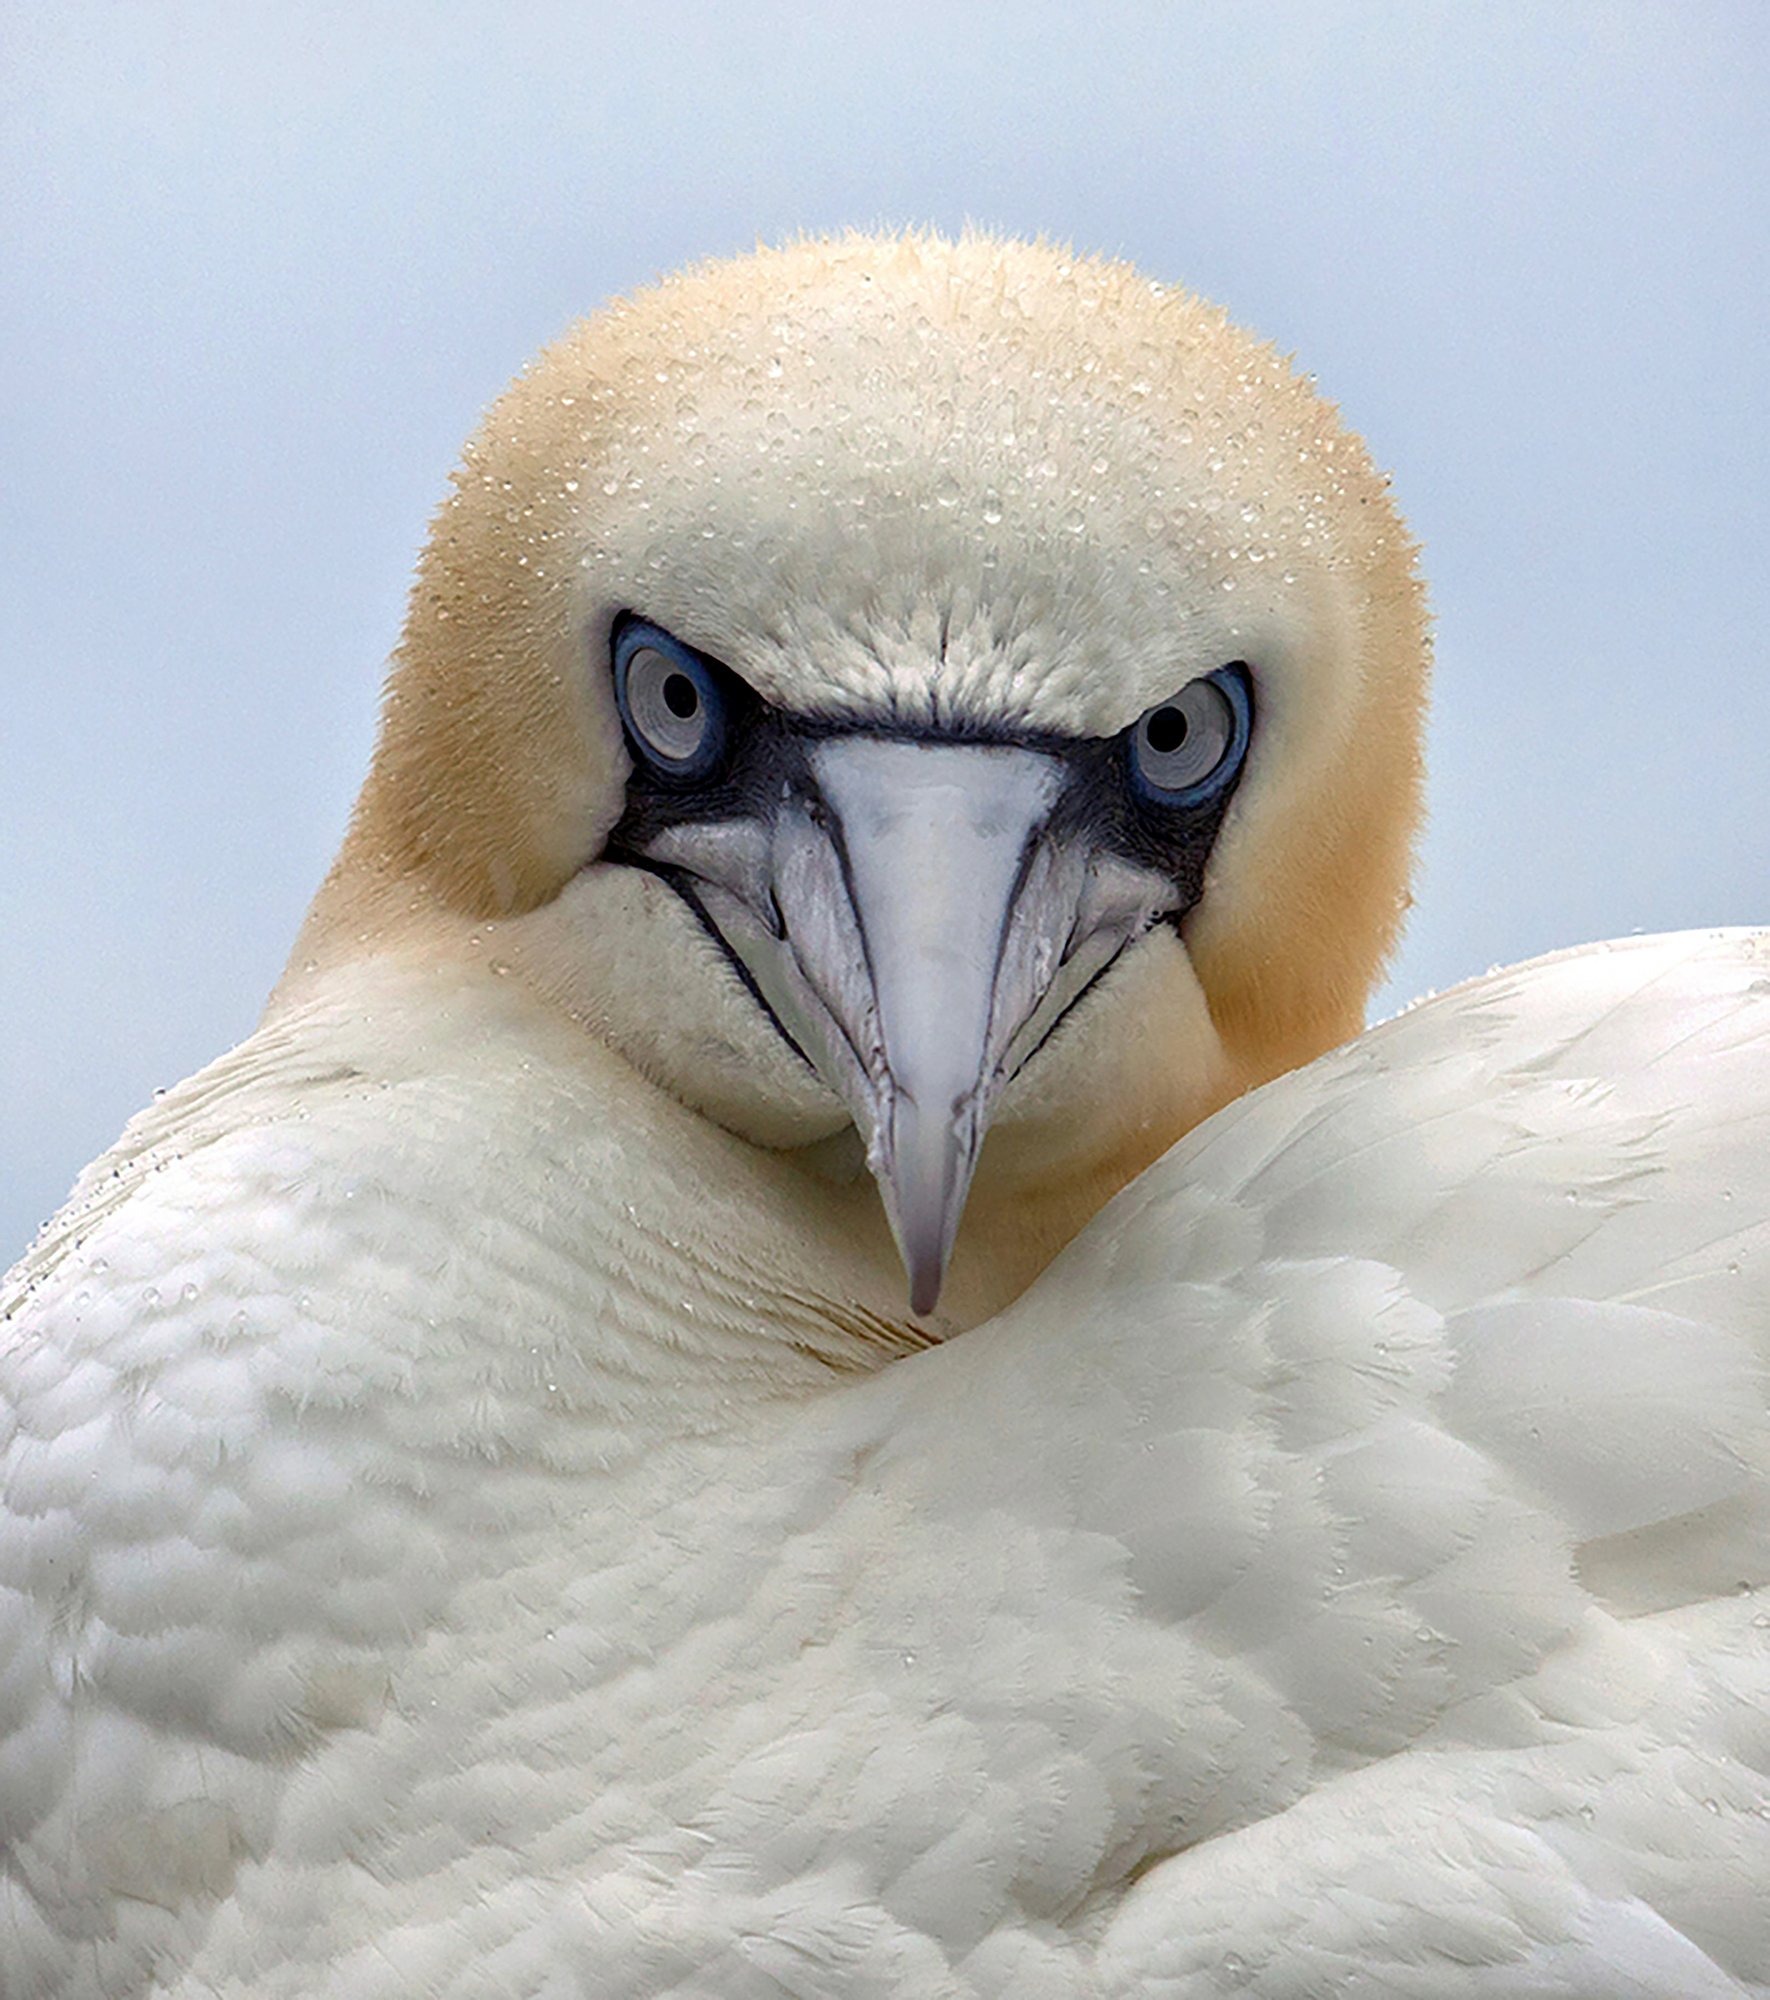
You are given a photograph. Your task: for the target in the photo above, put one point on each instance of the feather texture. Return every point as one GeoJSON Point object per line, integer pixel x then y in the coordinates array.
{"type": "Point", "coordinates": [440, 1555]}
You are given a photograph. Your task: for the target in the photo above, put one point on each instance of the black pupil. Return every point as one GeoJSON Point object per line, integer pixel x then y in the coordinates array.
{"type": "Point", "coordinates": [681, 696]}
{"type": "Point", "coordinates": [1165, 731]}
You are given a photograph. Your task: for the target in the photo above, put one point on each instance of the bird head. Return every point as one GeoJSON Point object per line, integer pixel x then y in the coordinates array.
{"type": "Point", "coordinates": [955, 702]}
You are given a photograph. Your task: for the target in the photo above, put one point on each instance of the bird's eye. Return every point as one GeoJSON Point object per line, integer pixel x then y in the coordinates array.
{"type": "Point", "coordinates": [1185, 750]}
{"type": "Point", "coordinates": [670, 703]}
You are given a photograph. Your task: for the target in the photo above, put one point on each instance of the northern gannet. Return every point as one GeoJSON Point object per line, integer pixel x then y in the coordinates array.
{"type": "Point", "coordinates": [460, 1533]}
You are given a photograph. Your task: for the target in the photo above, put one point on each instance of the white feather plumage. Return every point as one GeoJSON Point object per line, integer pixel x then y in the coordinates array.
{"type": "Point", "coordinates": [1339, 1573]}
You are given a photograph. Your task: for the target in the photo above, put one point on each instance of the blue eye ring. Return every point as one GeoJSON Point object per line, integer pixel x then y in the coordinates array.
{"type": "Point", "coordinates": [671, 705]}
{"type": "Point", "coordinates": [1210, 718]}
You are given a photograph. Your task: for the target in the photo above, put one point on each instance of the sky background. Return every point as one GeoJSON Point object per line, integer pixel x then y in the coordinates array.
{"type": "Point", "coordinates": [262, 267]}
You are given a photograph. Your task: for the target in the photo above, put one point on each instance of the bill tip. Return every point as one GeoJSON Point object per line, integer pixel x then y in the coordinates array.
{"type": "Point", "coordinates": [925, 1286]}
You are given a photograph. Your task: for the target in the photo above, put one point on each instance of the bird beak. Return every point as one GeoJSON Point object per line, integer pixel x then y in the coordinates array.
{"type": "Point", "coordinates": [917, 929]}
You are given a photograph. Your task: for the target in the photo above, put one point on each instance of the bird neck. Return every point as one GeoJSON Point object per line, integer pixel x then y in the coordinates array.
{"type": "Point", "coordinates": [604, 1234]}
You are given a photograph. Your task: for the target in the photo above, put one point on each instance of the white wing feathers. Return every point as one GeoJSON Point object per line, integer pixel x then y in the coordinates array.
{"type": "Point", "coordinates": [1344, 1571]}
{"type": "Point", "coordinates": [1406, 1387]}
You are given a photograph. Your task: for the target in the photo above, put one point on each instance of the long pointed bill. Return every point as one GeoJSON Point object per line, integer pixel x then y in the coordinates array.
{"type": "Point", "coordinates": [935, 840]}
{"type": "Point", "coordinates": [917, 930]}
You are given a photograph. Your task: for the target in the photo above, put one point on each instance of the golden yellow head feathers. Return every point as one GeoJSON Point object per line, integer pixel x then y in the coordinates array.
{"type": "Point", "coordinates": [909, 483]}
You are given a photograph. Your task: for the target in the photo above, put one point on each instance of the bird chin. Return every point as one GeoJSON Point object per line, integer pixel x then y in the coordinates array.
{"type": "Point", "coordinates": [591, 956]}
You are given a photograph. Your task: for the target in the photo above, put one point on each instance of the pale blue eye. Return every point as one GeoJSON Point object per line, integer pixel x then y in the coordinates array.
{"type": "Point", "coordinates": [670, 703]}
{"type": "Point", "coordinates": [1186, 749]}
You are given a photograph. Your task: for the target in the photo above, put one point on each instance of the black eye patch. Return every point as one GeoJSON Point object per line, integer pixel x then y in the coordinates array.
{"type": "Point", "coordinates": [764, 759]}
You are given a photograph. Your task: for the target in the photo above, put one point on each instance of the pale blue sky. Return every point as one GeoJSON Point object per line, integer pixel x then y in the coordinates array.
{"type": "Point", "coordinates": [260, 269]}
